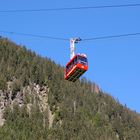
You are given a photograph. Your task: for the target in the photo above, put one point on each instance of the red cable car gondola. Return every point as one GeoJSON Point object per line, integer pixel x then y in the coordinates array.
{"type": "Point", "coordinates": [77, 65]}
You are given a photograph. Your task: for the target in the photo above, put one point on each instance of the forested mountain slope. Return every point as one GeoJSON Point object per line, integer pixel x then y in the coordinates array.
{"type": "Point", "coordinates": [36, 103]}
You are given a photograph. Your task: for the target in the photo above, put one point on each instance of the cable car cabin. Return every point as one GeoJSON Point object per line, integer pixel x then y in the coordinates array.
{"type": "Point", "coordinates": [76, 67]}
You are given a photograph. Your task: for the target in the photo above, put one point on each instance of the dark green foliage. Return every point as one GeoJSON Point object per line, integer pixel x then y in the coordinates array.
{"type": "Point", "coordinates": [80, 114]}
{"type": "Point", "coordinates": [2, 84]}
{"type": "Point", "coordinates": [21, 126]}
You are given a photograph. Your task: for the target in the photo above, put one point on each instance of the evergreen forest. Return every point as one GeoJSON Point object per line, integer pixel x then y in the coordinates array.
{"type": "Point", "coordinates": [74, 111]}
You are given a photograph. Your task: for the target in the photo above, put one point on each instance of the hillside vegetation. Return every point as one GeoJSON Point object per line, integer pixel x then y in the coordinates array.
{"type": "Point", "coordinates": [46, 107]}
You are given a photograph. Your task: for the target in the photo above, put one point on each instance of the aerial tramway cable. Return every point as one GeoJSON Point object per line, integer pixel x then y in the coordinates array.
{"type": "Point", "coordinates": [70, 8]}
{"type": "Point", "coordinates": [66, 39]}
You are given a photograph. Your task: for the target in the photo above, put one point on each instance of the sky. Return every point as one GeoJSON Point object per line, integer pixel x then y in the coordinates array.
{"type": "Point", "coordinates": [114, 64]}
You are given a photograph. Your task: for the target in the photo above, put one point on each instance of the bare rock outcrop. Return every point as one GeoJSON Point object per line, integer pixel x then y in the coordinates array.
{"type": "Point", "coordinates": [26, 96]}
